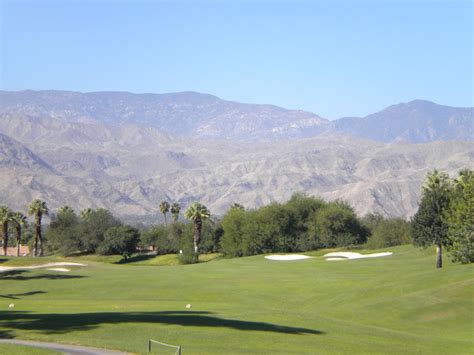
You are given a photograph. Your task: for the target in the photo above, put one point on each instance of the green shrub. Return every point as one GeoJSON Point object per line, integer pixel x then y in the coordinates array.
{"type": "Point", "coordinates": [64, 234]}
{"type": "Point", "coordinates": [187, 255]}
{"type": "Point", "coordinates": [335, 225]}
{"type": "Point", "coordinates": [121, 240]}
{"type": "Point", "coordinates": [390, 232]}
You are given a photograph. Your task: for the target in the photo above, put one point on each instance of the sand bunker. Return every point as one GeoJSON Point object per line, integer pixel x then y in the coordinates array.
{"type": "Point", "coordinates": [287, 257]}
{"type": "Point", "coordinates": [49, 265]}
{"type": "Point", "coordinates": [60, 269]}
{"type": "Point", "coordinates": [346, 255]}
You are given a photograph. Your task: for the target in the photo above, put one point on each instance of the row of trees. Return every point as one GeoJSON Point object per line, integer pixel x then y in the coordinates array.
{"type": "Point", "coordinates": [92, 230]}
{"type": "Point", "coordinates": [98, 231]}
{"type": "Point", "coordinates": [174, 208]}
{"type": "Point", "coordinates": [38, 209]}
{"type": "Point", "coordinates": [445, 216]}
{"type": "Point", "coordinates": [303, 223]}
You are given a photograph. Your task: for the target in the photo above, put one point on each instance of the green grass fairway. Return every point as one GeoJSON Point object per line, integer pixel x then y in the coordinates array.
{"type": "Point", "coordinates": [24, 350]}
{"type": "Point", "coordinates": [397, 304]}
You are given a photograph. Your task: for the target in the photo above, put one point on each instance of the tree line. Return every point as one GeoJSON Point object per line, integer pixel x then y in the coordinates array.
{"type": "Point", "coordinates": [301, 224]}
{"type": "Point", "coordinates": [37, 208]}
{"type": "Point", "coordinates": [444, 218]}
{"type": "Point", "coordinates": [97, 230]}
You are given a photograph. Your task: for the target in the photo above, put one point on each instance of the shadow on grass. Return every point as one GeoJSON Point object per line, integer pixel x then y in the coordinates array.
{"type": "Point", "coordinates": [15, 296]}
{"type": "Point", "coordinates": [17, 276]}
{"type": "Point", "coordinates": [6, 334]}
{"type": "Point", "coordinates": [134, 259]}
{"type": "Point", "coordinates": [65, 323]}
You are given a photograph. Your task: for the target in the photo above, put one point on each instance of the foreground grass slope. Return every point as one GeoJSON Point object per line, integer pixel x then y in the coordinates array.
{"type": "Point", "coordinates": [24, 350]}
{"type": "Point", "coordinates": [396, 304]}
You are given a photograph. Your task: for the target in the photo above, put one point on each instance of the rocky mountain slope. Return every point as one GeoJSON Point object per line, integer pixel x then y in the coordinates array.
{"type": "Point", "coordinates": [85, 150]}
{"type": "Point", "coordinates": [129, 169]}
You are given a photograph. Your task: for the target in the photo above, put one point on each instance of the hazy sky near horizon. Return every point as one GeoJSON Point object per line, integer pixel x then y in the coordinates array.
{"type": "Point", "coordinates": [336, 59]}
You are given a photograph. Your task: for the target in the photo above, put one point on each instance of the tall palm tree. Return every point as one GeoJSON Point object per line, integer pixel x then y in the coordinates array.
{"type": "Point", "coordinates": [164, 208]}
{"type": "Point", "coordinates": [5, 218]}
{"type": "Point", "coordinates": [197, 213]}
{"type": "Point", "coordinates": [38, 209]}
{"type": "Point", "coordinates": [20, 221]}
{"type": "Point", "coordinates": [175, 208]}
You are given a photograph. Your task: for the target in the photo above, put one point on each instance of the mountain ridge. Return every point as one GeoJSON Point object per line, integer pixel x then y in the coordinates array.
{"type": "Point", "coordinates": [206, 116]}
{"type": "Point", "coordinates": [70, 155]}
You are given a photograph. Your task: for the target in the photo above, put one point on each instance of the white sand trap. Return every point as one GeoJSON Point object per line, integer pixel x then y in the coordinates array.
{"type": "Point", "coordinates": [60, 269]}
{"type": "Point", "coordinates": [347, 255]}
{"type": "Point", "coordinates": [48, 265]}
{"type": "Point", "coordinates": [287, 257]}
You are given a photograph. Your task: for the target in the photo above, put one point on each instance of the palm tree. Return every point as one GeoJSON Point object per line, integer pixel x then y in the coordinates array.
{"type": "Point", "coordinates": [66, 209]}
{"type": "Point", "coordinates": [463, 179]}
{"type": "Point", "coordinates": [5, 218]}
{"type": "Point", "coordinates": [164, 208]}
{"type": "Point", "coordinates": [197, 213]}
{"type": "Point", "coordinates": [436, 180]}
{"type": "Point", "coordinates": [38, 208]}
{"type": "Point", "coordinates": [20, 221]}
{"type": "Point", "coordinates": [175, 208]}
{"type": "Point", "coordinates": [85, 213]}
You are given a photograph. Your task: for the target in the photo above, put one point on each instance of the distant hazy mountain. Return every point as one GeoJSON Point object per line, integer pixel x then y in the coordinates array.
{"type": "Point", "coordinates": [415, 122]}
{"type": "Point", "coordinates": [206, 116]}
{"type": "Point", "coordinates": [186, 113]}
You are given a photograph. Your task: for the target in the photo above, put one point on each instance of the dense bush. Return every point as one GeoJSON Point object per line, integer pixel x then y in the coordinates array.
{"type": "Point", "coordinates": [303, 223]}
{"type": "Point", "coordinates": [210, 237]}
{"type": "Point", "coordinates": [233, 226]}
{"type": "Point", "coordinates": [389, 232]}
{"type": "Point", "coordinates": [94, 225]}
{"type": "Point", "coordinates": [121, 240]}
{"type": "Point", "coordinates": [163, 239]}
{"type": "Point", "coordinates": [460, 218]}
{"type": "Point", "coordinates": [336, 224]}
{"type": "Point", "coordinates": [186, 252]}
{"type": "Point", "coordinates": [64, 235]}
{"type": "Point", "coordinates": [68, 233]}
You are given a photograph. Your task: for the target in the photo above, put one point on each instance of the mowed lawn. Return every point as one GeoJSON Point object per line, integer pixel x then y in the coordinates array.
{"type": "Point", "coordinates": [396, 304]}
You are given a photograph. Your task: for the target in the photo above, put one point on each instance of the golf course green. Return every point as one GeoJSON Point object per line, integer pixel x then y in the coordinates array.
{"type": "Point", "coordinates": [396, 304]}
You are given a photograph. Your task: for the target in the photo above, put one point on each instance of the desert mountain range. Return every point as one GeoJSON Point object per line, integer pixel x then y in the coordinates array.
{"type": "Point", "coordinates": [127, 152]}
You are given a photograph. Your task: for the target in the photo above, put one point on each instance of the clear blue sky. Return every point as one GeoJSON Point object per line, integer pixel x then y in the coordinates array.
{"type": "Point", "coordinates": [332, 58]}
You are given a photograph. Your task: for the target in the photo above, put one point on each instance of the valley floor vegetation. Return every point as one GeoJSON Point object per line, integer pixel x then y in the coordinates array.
{"type": "Point", "coordinates": [444, 218]}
